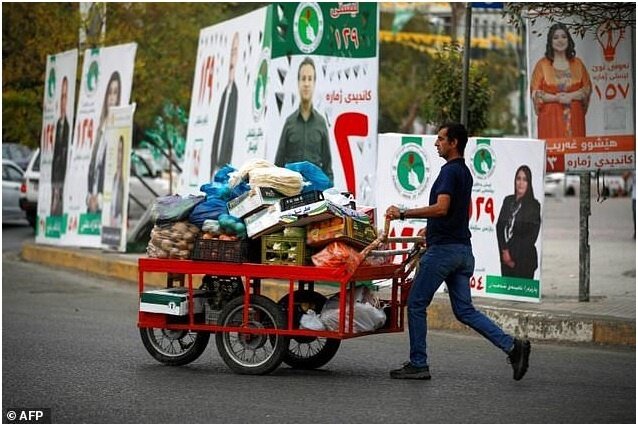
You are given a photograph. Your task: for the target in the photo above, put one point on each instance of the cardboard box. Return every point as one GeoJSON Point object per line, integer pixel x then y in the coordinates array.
{"type": "Point", "coordinates": [264, 221]}
{"type": "Point", "coordinates": [253, 200]}
{"type": "Point", "coordinates": [171, 301]}
{"type": "Point", "coordinates": [347, 229]}
{"type": "Point", "coordinates": [368, 211]}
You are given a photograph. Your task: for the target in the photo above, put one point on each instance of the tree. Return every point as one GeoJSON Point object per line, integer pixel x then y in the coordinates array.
{"type": "Point", "coordinates": [592, 15]}
{"type": "Point", "coordinates": [443, 100]}
{"type": "Point", "coordinates": [30, 32]}
{"type": "Point", "coordinates": [167, 35]}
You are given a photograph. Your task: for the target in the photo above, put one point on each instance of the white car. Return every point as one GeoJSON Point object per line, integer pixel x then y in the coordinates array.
{"type": "Point", "coordinates": [560, 184]}
{"type": "Point", "coordinates": [12, 176]}
{"type": "Point", "coordinates": [140, 189]}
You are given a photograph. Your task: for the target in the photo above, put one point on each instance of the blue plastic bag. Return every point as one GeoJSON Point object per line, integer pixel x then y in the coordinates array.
{"type": "Point", "coordinates": [314, 178]}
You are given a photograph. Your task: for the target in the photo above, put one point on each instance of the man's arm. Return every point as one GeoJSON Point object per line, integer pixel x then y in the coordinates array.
{"type": "Point", "coordinates": [438, 209]}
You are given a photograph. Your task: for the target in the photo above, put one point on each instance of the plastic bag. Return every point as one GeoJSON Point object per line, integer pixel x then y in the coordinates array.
{"type": "Point", "coordinates": [172, 208]}
{"type": "Point", "coordinates": [310, 321]}
{"type": "Point", "coordinates": [212, 208]}
{"type": "Point", "coordinates": [336, 255]}
{"type": "Point", "coordinates": [314, 178]}
{"type": "Point", "coordinates": [366, 318]}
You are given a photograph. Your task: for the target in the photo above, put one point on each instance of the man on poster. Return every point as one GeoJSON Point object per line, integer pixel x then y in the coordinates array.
{"type": "Point", "coordinates": [305, 133]}
{"type": "Point", "coordinates": [58, 168]}
{"type": "Point", "coordinates": [222, 151]}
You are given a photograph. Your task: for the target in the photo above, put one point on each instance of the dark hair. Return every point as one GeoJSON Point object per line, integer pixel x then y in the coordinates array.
{"type": "Point", "coordinates": [114, 77]}
{"type": "Point", "coordinates": [307, 61]}
{"type": "Point", "coordinates": [458, 132]}
{"type": "Point", "coordinates": [529, 195]}
{"type": "Point", "coordinates": [571, 47]}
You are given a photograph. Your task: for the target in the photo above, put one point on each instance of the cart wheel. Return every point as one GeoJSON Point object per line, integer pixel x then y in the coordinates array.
{"type": "Point", "coordinates": [247, 353]}
{"type": "Point", "coordinates": [174, 347]}
{"type": "Point", "coordinates": [307, 352]}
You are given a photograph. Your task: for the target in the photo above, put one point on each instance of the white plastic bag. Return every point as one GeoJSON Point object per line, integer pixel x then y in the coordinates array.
{"type": "Point", "coordinates": [310, 321]}
{"type": "Point", "coordinates": [366, 318]}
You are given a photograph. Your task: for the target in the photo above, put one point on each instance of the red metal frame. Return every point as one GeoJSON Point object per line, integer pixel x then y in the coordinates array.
{"type": "Point", "coordinates": [253, 273]}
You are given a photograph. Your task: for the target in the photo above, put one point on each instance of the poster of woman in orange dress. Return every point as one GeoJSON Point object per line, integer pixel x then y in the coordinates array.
{"type": "Point", "coordinates": [560, 88]}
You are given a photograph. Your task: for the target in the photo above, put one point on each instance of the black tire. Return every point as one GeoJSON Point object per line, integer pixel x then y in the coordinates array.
{"type": "Point", "coordinates": [174, 347]}
{"type": "Point", "coordinates": [32, 218]}
{"type": "Point", "coordinates": [247, 353]}
{"type": "Point", "coordinates": [307, 352]}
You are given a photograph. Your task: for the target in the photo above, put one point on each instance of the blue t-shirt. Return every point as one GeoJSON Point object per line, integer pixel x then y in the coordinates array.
{"type": "Point", "coordinates": [455, 180]}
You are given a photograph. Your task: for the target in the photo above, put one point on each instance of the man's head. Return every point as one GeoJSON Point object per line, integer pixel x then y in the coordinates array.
{"type": "Point", "coordinates": [64, 94]}
{"type": "Point", "coordinates": [451, 140]}
{"type": "Point", "coordinates": [234, 52]}
{"type": "Point", "coordinates": [306, 79]}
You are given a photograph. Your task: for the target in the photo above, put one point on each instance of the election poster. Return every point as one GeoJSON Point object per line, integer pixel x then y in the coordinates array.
{"type": "Point", "coordinates": [58, 110]}
{"type": "Point", "coordinates": [322, 104]}
{"type": "Point", "coordinates": [291, 82]}
{"type": "Point", "coordinates": [107, 77]}
{"type": "Point", "coordinates": [222, 128]}
{"type": "Point", "coordinates": [118, 137]}
{"type": "Point", "coordinates": [581, 95]}
{"type": "Point", "coordinates": [506, 208]}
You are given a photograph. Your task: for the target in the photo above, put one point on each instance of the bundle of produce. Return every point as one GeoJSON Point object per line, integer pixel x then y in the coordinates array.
{"type": "Point", "coordinates": [227, 227]}
{"type": "Point", "coordinates": [286, 181]}
{"type": "Point", "coordinates": [172, 240]}
{"type": "Point", "coordinates": [242, 174]}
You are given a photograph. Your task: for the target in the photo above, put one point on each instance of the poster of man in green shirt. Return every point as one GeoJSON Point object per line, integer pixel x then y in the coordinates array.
{"type": "Point", "coordinates": [304, 136]}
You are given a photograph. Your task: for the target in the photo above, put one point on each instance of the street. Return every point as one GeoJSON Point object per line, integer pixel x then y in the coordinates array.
{"type": "Point", "coordinates": [70, 343]}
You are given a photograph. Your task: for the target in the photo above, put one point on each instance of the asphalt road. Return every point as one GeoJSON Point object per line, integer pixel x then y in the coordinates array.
{"type": "Point", "coordinates": [70, 343]}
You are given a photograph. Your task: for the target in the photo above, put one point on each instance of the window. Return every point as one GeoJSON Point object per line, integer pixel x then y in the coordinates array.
{"type": "Point", "coordinates": [11, 173]}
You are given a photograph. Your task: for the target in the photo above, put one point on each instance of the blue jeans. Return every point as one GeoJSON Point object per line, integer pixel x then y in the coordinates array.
{"type": "Point", "coordinates": [454, 264]}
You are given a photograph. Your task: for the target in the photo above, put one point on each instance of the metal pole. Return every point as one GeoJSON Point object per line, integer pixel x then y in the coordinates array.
{"type": "Point", "coordinates": [584, 252]}
{"type": "Point", "coordinates": [466, 62]}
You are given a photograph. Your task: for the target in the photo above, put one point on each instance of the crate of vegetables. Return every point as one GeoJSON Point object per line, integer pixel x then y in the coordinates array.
{"type": "Point", "coordinates": [223, 248]}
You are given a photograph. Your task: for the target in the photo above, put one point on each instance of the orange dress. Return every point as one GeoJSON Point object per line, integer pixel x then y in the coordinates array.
{"type": "Point", "coordinates": [556, 120]}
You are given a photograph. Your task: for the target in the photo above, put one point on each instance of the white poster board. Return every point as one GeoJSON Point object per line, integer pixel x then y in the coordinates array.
{"type": "Point", "coordinates": [407, 167]}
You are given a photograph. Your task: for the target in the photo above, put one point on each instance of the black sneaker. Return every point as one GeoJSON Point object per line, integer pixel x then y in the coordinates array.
{"type": "Point", "coordinates": [409, 371]}
{"type": "Point", "coordinates": [519, 357]}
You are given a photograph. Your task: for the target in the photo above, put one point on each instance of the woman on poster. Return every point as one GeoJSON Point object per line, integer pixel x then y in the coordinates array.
{"type": "Point", "coordinates": [517, 228]}
{"type": "Point", "coordinates": [112, 98]}
{"type": "Point", "coordinates": [560, 88]}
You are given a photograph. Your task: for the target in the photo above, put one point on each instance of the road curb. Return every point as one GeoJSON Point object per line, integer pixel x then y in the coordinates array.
{"type": "Point", "coordinates": [534, 324]}
{"type": "Point", "coordinates": [540, 325]}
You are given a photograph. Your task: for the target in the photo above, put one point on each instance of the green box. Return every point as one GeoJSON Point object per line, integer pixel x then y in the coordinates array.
{"type": "Point", "coordinates": [171, 301]}
{"type": "Point", "coordinates": [279, 250]}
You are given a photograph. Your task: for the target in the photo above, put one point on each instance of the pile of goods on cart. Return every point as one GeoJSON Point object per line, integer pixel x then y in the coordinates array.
{"type": "Point", "coordinates": [261, 213]}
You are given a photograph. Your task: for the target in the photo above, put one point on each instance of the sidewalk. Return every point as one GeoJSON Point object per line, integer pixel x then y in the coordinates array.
{"type": "Point", "coordinates": [605, 319]}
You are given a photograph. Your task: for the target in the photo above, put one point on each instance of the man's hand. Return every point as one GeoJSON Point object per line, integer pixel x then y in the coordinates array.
{"type": "Point", "coordinates": [507, 258]}
{"type": "Point", "coordinates": [392, 213]}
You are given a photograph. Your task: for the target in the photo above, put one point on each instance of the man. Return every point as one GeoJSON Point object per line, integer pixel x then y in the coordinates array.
{"type": "Point", "coordinates": [449, 258]}
{"type": "Point", "coordinates": [305, 134]}
{"type": "Point", "coordinates": [58, 167]}
{"type": "Point", "coordinates": [224, 135]}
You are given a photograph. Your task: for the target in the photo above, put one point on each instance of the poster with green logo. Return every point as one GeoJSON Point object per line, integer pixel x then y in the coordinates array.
{"type": "Point", "coordinates": [256, 73]}
{"type": "Point", "coordinates": [506, 205]}
{"type": "Point", "coordinates": [107, 78]}
{"type": "Point", "coordinates": [58, 110]}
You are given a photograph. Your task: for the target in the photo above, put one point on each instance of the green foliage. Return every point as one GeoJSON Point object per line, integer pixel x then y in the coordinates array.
{"type": "Point", "coordinates": [30, 32]}
{"type": "Point", "coordinates": [168, 136]}
{"type": "Point", "coordinates": [444, 87]}
{"type": "Point", "coordinates": [403, 75]}
{"type": "Point", "coordinates": [591, 15]}
{"type": "Point", "coordinates": [166, 33]}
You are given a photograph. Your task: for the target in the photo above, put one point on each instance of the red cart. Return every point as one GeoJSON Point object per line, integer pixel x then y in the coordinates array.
{"type": "Point", "coordinates": [255, 334]}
